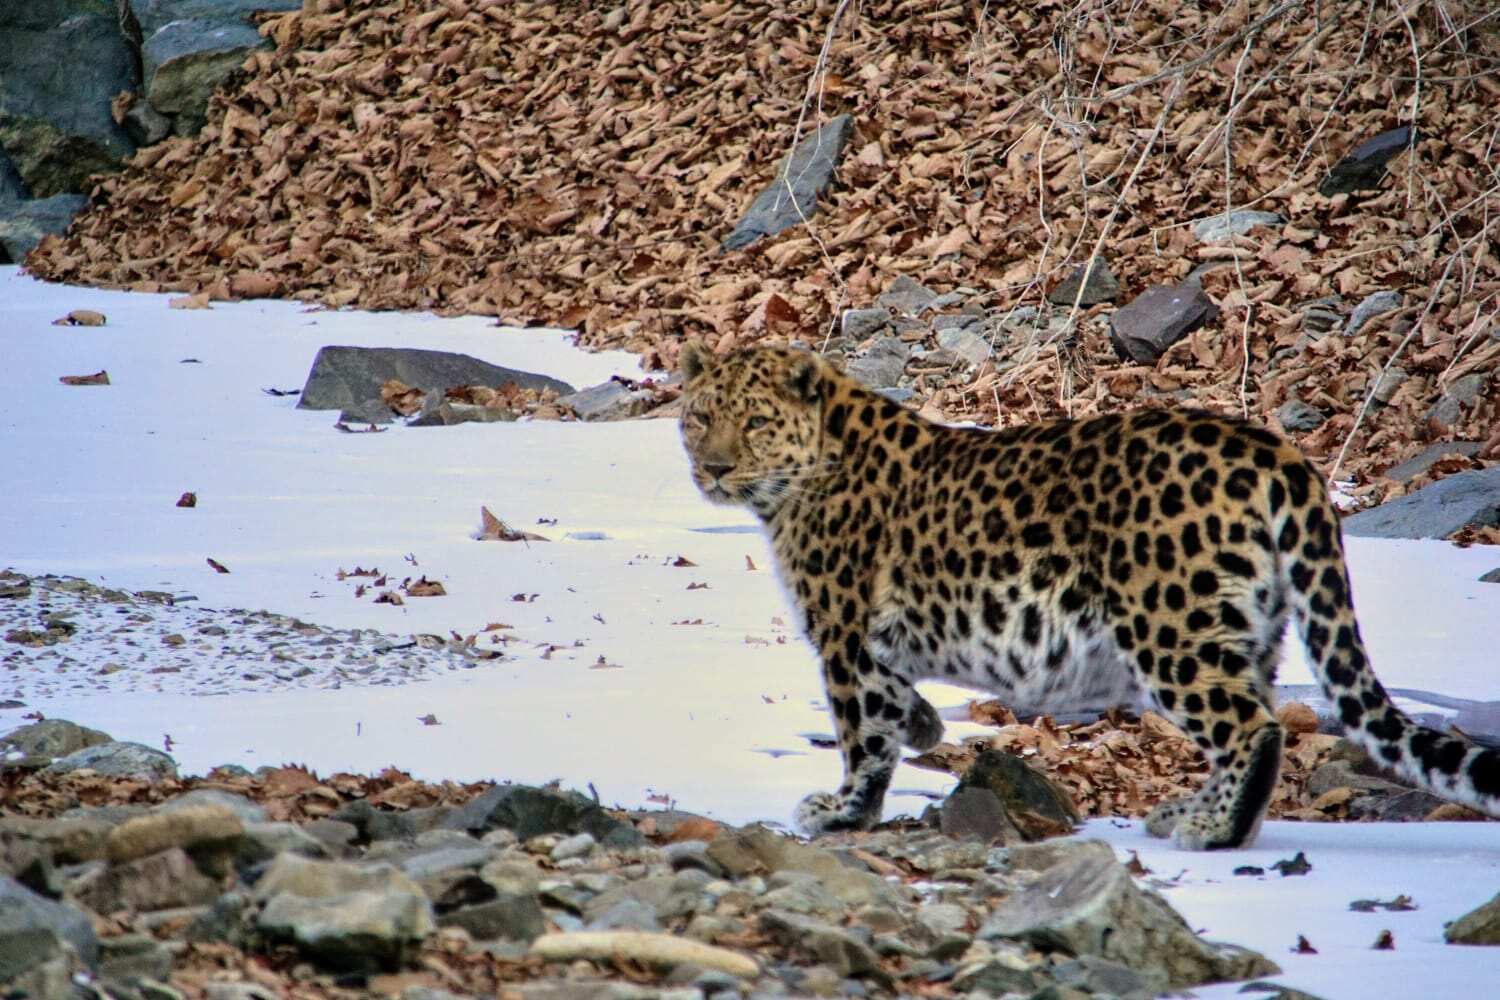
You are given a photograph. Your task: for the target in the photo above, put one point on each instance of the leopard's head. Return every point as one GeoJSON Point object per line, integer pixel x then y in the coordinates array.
{"type": "Point", "coordinates": [752, 424]}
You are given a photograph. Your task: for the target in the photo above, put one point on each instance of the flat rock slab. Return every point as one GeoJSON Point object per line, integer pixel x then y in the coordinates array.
{"type": "Point", "coordinates": [1463, 500]}
{"type": "Point", "coordinates": [1224, 227]}
{"type": "Point", "coordinates": [1365, 165]}
{"type": "Point", "coordinates": [23, 224]}
{"type": "Point", "coordinates": [793, 195]}
{"type": "Point", "coordinates": [1159, 317]}
{"type": "Point", "coordinates": [1098, 285]}
{"type": "Point", "coordinates": [347, 377]}
{"type": "Point", "coordinates": [1424, 459]}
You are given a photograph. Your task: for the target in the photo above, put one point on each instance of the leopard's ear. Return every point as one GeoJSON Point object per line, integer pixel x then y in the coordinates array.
{"type": "Point", "coordinates": [694, 359]}
{"type": "Point", "coordinates": [805, 377]}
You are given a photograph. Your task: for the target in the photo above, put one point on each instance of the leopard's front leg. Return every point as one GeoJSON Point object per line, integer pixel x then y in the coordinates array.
{"type": "Point", "coordinates": [868, 718]}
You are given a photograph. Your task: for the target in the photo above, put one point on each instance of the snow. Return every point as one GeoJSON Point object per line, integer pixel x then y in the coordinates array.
{"type": "Point", "coordinates": [711, 716]}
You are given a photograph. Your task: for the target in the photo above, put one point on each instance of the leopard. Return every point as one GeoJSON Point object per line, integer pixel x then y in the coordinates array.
{"type": "Point", "coordinates": [1156, 550]}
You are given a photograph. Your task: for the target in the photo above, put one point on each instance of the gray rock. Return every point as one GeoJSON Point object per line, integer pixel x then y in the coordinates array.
{"type": "Point", "coordinates": [1365, 165]}
{"type": "Point", "coordinates": [1450, 408]}
{"type": "Point", "coordinates": [145, 125]}
{"type": "Point", "coordinates": [1159, 317]}
{"type": "Point", "coordinates": [23, 224]}
{"type": "Point", "coordinates": [1423, 460]}
{"type": "Point", "coordinates": [1099, 975]}
{"type": "Point", "coordinates": [224, 920]}
{"type": "Point", "coordinates": [134, 956]}
{"type": "Point", "coordinates": [33, 930]}
{"type": "Point", "coordinates": [264, 841]}
{"type": "Point", "coordinates": [362, 931]}
{"type": "Point", "coordinates": [580, 845]}
{"type": "Point", "coordinates": [346, 376]}
{"type": "Point", "coordinates": [861, 324]}
{"type": "Point", "coordinates": [955, 321]}
{"type": "Point", "coordinates": [754, 849]}
{"type": "Point", "coordinates": [375, 824]}
{"type": "Point", "coordinates": [1035, 805]}
{"type": "Point", "coordinates": [978, 812]}
{"type": "Point", "coordinates": [999, 977]}
{"type": "Point", "coordinates": [1405, 806]}
{"type": "Point", "coordinates": [800, 892]}
{"type": "Point", "coordinates": [530, 812]}
{"type": "Point", "coordinates": [117, 759]}
{"type": "Point", "coordinates": [897, 393]}
{"type": "Point", "coordinates": [626, 915]}
{"type": "Point", "coordinates": [238, 990]}
{"type": "Point", "coordinates": [188, 47]}
{"type": "Point", "coordinates": [447, 859]}
{"type": "Point", "coordinates": [966, 344]}
{"type": "Point", "coordinates": [1391, 379]}
{"type": "Point", "coordinates": [158, 881]}
{"type": "Point", "coordinates": [612, 400]}
{"type": "Point", "coordinates": [667, 896]}
{"type": "Point", "coordinates": [882, 365]}
{"type": "Point", "coordinates": [61, 62]}
{"type": "Point", "coordinates": [793, 195]}
{"type": "Point", "coordinates": [691, 854]}
{"type": "Point", "coordinates": [1088, 905]}
{"type": "Point", "coordinates": [1222, 228]}
{"type": "Point", "coordinates": [1369, 307]}
{"type": "Point", "coordinates": [1100, 285]}
{"type": "Point", "coordinates": [906, 296]}
{"type": "Point", "coordinates": [1479, 926]}
{"type": "Point", "coordinates": [835, 947]}
{"type": "Point", "coordinates": [52, 738]}
{"type": "Point", "coordinates": [1493, 576]}
{"type": "Point", "coordinates": [1462, 500]}
{"type": "Point", "coordinates": [369, 411]}
{"type": "Point", "coordinates": [1295, 415]}
{"type": "Point", "coordinates": [247, 811]}
{"type": "Point", "coordinates": [447, 413]}
{"type": "Point", "coordinates": [12, 188]}
{"type": "Point", "coordinates": [1341, 774]}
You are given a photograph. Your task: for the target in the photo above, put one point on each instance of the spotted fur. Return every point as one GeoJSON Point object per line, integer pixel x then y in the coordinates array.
{"type": "Point", "coordinates": [1155, 549]}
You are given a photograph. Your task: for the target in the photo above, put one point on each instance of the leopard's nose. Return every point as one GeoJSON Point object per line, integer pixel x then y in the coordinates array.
{"type": "Point", "coordinates": [718, 469]}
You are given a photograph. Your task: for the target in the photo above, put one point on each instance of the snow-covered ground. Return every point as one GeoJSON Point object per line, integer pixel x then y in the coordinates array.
{"type": "Point", "coordinates": [618, 671]}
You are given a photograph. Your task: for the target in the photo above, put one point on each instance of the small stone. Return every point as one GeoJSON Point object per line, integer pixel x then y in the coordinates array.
{"type": "Point", "coordinates": [1100, 285]}
{"type": "Point", "coordinates": [1449, 409]}
{"type": "Point", "coordinates": [1222, 228]}
{"type": "Point", "coordinates": [792, 195]}
{"type": "Point", "coordinates": [1364, 167]}
{"type": "Point", "coordinates": [1493, 576]}
{"type": "Point", "coordinates": [188, 827]}
{"type": "Point", "coordinates": [1295, 415]}
{"type": "Point", "coordinates": [579, 845]}
{"type": "Point", "coordinates": [612, 400]}
{"type": "Point", "coordinates": [979, 813]}
{"type": "Point", "coordinates": [1159, 317]}
{"type": "Point", "coordinates": [530, 812]}
{"type": "Point", "coordinates": [134, 956]}
{"type": "Point", "coordinates": [691, 854]}
{"type": "Point", "coordinates": [906, 296]}
{"type": "Point", "coordinates": [861, 324]}
{"type": "Point", "coordinates": [998, 976]}
{"type": "Point", "coordinates": [365, 930]}
{"type": "Point", "coordinates": [1478, 926]}
{"type": "Point", "coordinates": [1037, 806]}
{"type": "Point", "coordinates": [33, 930]}
{"type": "Point", "coordinates": [882, 365]}
{"type": "Point", "coordinates": [1371, 306]}
{"type": "Point", "coordinates": [627, 914]}
{"type": "Point", "coordinates": [835, 947]}
{"type": "Point", "coordinates": [968, 345]}
{"type": "Point", "coordinates": [1296, 717]}
{"type": "Point", "coordinates": [1391, 379]}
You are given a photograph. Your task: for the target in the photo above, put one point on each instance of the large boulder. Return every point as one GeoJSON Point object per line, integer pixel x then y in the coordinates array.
{"type": "Point", "coordinates": [24, 224]}
{"type": "Point", "coordinates": [1088, 905]}
{"type": "Point", "coordinates": [346, 377]}
{"type": "Point", "coordinates": [52, 738]}
{"type": "Point", "coordinates": [1463, 500]}
{"type": "Point", "coordinates": [530, 812]}
{"type": "Point", "coordinates": [189, 47]}
{"type": "Point", "coordinates": [61, 62]}
{"type": "Point", "coordinates": [118, 759]}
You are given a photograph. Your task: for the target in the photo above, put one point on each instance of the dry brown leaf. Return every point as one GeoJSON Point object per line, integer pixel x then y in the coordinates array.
{"type": "Point", "coordinates": [492, 529]}
{"type": "Point", "coordinates": [98, 378]}
{"type": "Point", "coordinates": [216, 566]}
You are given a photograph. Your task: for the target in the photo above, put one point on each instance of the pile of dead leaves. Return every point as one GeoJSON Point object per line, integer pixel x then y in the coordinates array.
{"type": "Point", "coordinates": [579, 164]}
{"type": "Point", "coordinates": [1124, 766]}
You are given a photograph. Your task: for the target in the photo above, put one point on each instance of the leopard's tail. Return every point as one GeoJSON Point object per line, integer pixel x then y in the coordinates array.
{"type": "Point", "coordinates": [1311, 554]}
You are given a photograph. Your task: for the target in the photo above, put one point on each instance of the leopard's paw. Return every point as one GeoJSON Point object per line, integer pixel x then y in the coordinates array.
{"type": "Point", "coordinates": [1163, 820]}
{"type": "Point", "coordinates": [824, 812]}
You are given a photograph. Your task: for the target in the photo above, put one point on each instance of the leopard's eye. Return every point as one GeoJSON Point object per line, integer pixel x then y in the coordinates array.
{"type": "Point", "coordinates": [755, 423]}
{"type": "Point", "coordinates": [695, 419]}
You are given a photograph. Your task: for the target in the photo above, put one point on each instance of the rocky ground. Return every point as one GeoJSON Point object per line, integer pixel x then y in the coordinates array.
{"type": "Point", "coordinates": [121, 878]}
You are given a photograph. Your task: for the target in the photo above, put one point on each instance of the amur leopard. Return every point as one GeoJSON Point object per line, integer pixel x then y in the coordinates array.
{"type": "Point", "coordinates": [1157, 549]}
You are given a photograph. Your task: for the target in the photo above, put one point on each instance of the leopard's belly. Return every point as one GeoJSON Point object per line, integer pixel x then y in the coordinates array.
{"type": "Point", "coordinates": [1033, 662]}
